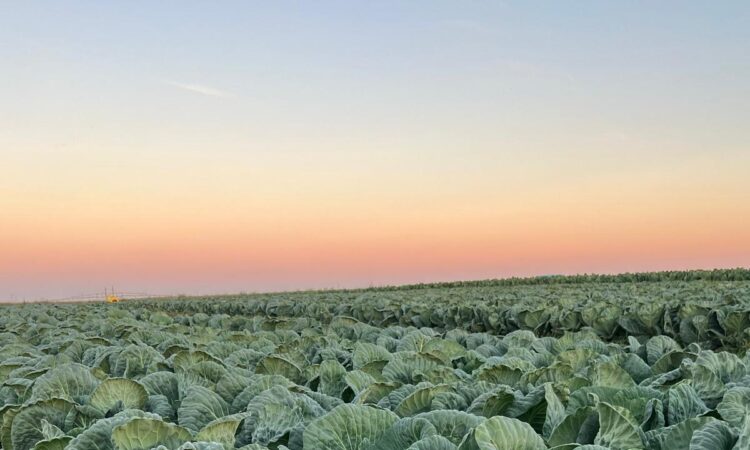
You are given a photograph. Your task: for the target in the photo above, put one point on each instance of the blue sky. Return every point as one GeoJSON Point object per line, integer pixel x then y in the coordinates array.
{"type": "Point", "coordinates": [351, 125]}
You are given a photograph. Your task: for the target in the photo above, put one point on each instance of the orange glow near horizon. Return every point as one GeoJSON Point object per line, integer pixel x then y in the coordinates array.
{"type": "Point", "coordinates": [298, 240]}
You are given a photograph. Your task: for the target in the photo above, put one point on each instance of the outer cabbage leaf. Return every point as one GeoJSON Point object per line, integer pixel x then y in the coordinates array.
{"type": "Point", "coordinates": [163, 383]}
{"type": "Point", "coordinates": [26, 428]}
{"type": "Point", "coordinates": [332, 381]}
{"type": "Point", "coordinates": [420, 400]}
{"type": "Point", "coordinates": [277, 412]}
{"type": "Point", "coordinates": [579, 427]}
{"type": "Point", "coordinates": [500, 433]}
{"type": "Point", "coordinates": [683, 404]}
{"type": "Point", "coordinates": [221, 431]}
{"type": "Point", "coordinates": [145, 434]}
{"type": "Point", "coordinates": [735, 406]}
{"type": "Point", "coordinates": [404, 433]}
{"type": "Point", "coordinates": [676, 436]}
{"type": "Point", "coordinates": [55, 443]}
{"type": "Point", "coordinates": [453, 425]}
{"type": "Point", "coordinates": [111, 392]}
{"type": "Point", "coordinates": [276, 365]}
{"type": "Point", "coordinates": [73, 382]}
{"type": "Point", "coordinates": [618, 429]}
{"type": "Point", "coordinates": [715, 435]}
{"type": "Point", "coordinates": [348, 427]}
{"type": "Point", "coordinates": [99, 435]}
{"type": "Point", "coordinates": [433, 443]}
{"type": "Point", "coordinates": [200, 407]}
{"type": "Point", "coordinates": [135, 361]}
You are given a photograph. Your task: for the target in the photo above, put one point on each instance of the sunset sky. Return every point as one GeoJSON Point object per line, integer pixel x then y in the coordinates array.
{"type": "Point", "coordinates": [211, 147]}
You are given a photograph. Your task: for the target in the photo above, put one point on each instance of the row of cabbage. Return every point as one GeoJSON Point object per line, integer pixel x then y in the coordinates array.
{"type": "Point", "coordinates": [124, 377]}
{"type": "Point", "coordinates": [710, 313]}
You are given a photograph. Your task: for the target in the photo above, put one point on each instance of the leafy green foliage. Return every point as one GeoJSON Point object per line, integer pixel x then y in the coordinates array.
{"type": "Point", "coordinates": [641, 361]}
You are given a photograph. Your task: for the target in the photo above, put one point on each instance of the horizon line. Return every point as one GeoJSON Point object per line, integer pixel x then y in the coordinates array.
{"type": "Point", "coordinates": [446, 284]}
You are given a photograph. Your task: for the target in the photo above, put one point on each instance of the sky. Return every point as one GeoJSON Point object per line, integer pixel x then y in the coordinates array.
{"type": "Point", "coordinates": [183, 147]}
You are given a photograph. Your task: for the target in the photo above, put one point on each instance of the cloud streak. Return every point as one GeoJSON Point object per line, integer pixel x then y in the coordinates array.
{"type": "Point", "coordinates": [199, 89]}
{"type": "Point", "coordinates": [467, 25]}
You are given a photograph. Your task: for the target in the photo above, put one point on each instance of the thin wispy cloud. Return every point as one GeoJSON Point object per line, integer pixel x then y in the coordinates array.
{"type": "Point", "coordinates": [466, 25]}
{"type": "Point", "coordinates": [199, 89]}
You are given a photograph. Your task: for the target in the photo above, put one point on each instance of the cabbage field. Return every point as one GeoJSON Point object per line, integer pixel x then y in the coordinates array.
{"type": "Point", "coordinates": [643, 361]}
